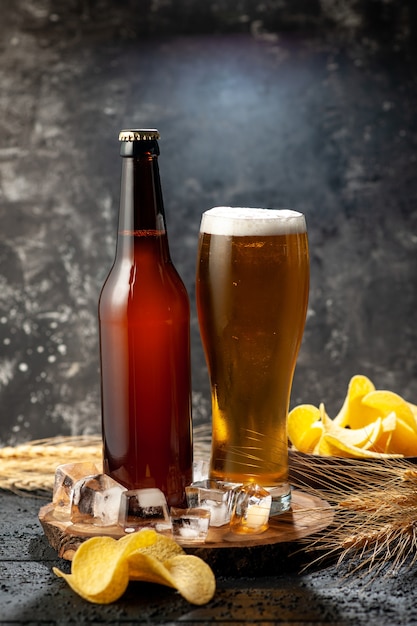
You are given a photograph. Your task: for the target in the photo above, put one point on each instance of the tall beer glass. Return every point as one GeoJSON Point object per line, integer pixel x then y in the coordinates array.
{"type": "Point", "coordinates": [252, 294]}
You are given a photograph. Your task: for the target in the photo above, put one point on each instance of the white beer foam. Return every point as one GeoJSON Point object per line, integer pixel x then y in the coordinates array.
{"type": "Point", "coordinates": [243, 221]}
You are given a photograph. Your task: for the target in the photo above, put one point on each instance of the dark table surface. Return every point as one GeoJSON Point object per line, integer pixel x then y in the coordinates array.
{"type": "Point", "coordinates": [30, 593]}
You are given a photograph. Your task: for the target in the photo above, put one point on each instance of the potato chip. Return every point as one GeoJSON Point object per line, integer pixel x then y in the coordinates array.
{"type": "Point", "coordinates": [149, 569]}
{"type": "Point", "coordinates": [386, 402]}
{"type": "Point", "coordinates": [304, 427]}
{"type": "Point", "coordinates": [364, 437]}
{"type": "Point", "coordinates": [382, 443]}
{"type": "Point", "coordinates": [148, 541]}
{"type": "Point", "coordinates": [352, 413]}
{"type": "Point", "coordinates": [403, 439]}
{"type": "Point", "coordinates": [194, 579]}
{"type": "Point", "coordinates": [332, 446]}
{"type": "Point", "coordinates": [98, 572]}
{"type": "Point", "coordinates": [413, 408]}
{"type": "Point", "coordinates": [189, 574]}
{"type": "Point", "coordinates": [378, 422]}
{"type": "Point", "coordinates": [102, 567]}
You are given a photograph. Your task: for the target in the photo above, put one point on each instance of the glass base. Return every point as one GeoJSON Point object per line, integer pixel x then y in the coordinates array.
{"type": "Point", "coordinates": [281, 499]}
{"type": "Point", "coordinates": [281, 496]}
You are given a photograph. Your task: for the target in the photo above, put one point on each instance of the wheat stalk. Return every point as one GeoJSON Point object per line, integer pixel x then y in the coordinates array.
{"type": "Point", "coordinates": [29, 468]}
{"type": "Point", "coordinates": [374, 528]}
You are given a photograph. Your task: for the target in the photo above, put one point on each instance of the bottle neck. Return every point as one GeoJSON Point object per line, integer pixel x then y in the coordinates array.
{"type": "Point", "coordinates": [141, 212]}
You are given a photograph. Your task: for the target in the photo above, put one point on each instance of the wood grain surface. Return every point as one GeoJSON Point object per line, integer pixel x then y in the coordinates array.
{"type": "Point", "coordinates": [224, 550]}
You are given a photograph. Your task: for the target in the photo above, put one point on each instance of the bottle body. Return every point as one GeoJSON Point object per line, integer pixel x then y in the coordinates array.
{"type": "Point", "coordinates": [144, 318]}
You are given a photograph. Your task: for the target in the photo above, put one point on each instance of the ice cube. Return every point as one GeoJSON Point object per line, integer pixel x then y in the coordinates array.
{"type": "Point", "coordinates": [252, 506]}
{"type": "Point", "coordinates": [141, 508]}
{"type": "Point", "coordinates": [213, 496]}
{"type": "Point", "coordinates": [200, 470]}
{"type": "Point", "coordinates": [190, 525]}
{"type": "Point", "coordinates": [65, 477]}
{"type": "Point", "coordinates": [96, 500]}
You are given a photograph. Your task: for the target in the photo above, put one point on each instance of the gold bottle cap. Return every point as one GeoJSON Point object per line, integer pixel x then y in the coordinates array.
{"type": "Point", "coordinates": [139, 134]}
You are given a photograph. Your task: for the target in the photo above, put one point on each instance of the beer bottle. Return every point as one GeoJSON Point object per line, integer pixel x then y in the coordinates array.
{"type": "Point", "coordinates": [144, 321]}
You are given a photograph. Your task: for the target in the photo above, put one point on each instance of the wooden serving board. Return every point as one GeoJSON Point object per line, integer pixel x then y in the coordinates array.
{"type": "Point", "coordinates": [226, 552]}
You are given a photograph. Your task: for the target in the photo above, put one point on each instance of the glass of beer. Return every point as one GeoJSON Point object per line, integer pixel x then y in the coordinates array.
{"type": "Point", "coordinates": [252, 295]}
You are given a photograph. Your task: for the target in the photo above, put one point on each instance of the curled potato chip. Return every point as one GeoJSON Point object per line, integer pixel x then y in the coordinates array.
{"type": "Point", "coordinates": [371, 424]}
{"type": "Point", "coordinates": [102, 567]}
{"type": "Point", "coordinates": [332, 446]}
{"type": "Point", "coordinates": [189, 574]}
{"type": "Point", "coordinates": [193, 577]}
{"type": "Point", "coordinates": [386, 402]}
{"type": "Point", "coordinates": [364, 437]}
{"type": "Point", "coordinates": [359, 386]}
{"type": "Point", "coordinates": [150, 542]}
{"type": "Point", "coordinates": [383, 442]}
{"type": "Point", "coordinates": [403, 439]}
{"type": "Point", "coordinates": [305, 427]}
{"type": "Point", "coordinates": [413, 408]}
{"type": "Point", "coordinates": [98, 573]}
{"type": "Point", "coordinates": [149, 569]}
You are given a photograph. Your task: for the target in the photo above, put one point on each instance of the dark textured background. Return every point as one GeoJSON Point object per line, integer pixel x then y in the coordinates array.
{"type": "Point", "coordinates": [309, 104]}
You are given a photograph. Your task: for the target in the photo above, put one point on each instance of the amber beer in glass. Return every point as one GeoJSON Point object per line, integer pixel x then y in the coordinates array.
{"type": "Point", "coordinates": [252, 295]}
{"type": "Point", "coordinates": [144, 320]}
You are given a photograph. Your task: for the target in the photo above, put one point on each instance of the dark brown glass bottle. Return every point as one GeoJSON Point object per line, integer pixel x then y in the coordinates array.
{"type": "Point", "coordinates": [144, 319]}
